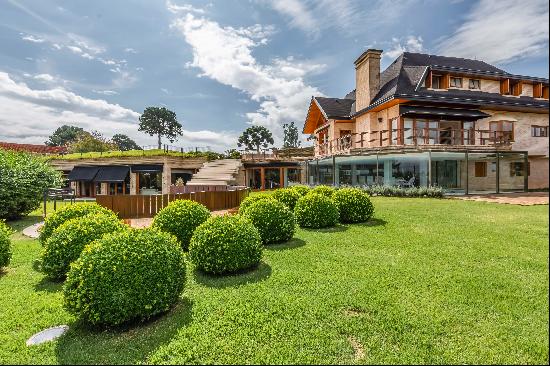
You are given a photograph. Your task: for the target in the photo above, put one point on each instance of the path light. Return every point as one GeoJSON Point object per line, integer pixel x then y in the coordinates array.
{"type": "Point", "coordinates": [47, 335]}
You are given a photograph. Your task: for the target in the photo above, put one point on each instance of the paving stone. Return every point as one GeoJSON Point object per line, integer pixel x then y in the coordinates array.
{"type": "Point", "coordinates": [47, 335]}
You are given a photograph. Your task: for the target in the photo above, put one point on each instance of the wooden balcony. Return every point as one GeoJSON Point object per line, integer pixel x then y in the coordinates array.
{"type": "Point", "coordinates": [422, 138]}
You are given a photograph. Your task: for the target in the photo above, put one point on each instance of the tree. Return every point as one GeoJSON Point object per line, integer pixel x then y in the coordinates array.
{"type": "Point", "coordinates": [91, 142]}
{"type": "Point", "coordinates": [160, 122]}
{"type": "Point", "coordinates": [232, 154]}
{"type": "Point", "coordinates": [124, 143]}
{"type": "Point", "coordinates": [254, 137]}
{"type": "Point", "coordinates": [291, 138]}
{"type": "Point", "coordinates": [64, 135]}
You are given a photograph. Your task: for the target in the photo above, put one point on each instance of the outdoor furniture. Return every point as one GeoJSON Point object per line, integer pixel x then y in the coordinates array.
{"type": "Point", "coordinates": [403, 183]}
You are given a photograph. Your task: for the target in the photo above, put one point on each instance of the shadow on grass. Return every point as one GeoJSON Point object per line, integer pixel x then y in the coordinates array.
{"type": "Point", "coordinates": [19, 224]}
{"type": "Point", "coordinates": [48, 285]}
{"type": "Point", "coordinates": [334, 229]}
{"type": "Point", "coordinates": [291, 244]}
{"type": "Point", "coordinates": [128, 344]}
{"type": "Point", "coordinates": [373, 222]}
{"type": "Point", "coordinates": [256, 274]}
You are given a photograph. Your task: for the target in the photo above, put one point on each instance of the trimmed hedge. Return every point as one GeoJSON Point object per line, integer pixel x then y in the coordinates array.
{"type": "Point", "coordinates": [66, 213]}
{"type": "Point", "coordinates": [5, 244]}
{"type": "Point", "coordinates": [274, 221]}
{"type": "Point", "coordinates": [354, 205]}
{"type": "Point", "coordinates": [393, 191]}
{"type": "Point", "coordinates": [128, 275]}
{"type": "Point", "coordinates": [326, 191]}
{"type": "Point", "coordinates": [23, 179]}
{"type": "Point", "coordinates": [225, 244]}
{"type": "Point", "coordinates": [286, 196]}
{"type": "Point", "coordinates": [68, 240]}
{"type": "Point", "coordinates": [181, 218]}
{"type": "Point", "coordinates": [316, 211]}
{"type": "Point", "coordinates": [251, 199]}
{"type": "Point", "coordinates": [301, 189]}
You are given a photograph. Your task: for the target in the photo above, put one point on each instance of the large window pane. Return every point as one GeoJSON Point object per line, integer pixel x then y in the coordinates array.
{"type": "Point", "coordinates": [448, 171]}
{"type": "Point", "coordinates": [325, 171]}
{"type": "Point", "coordinates": [512, 172]}
{"type": "Point", "coordinates": [482, 170]}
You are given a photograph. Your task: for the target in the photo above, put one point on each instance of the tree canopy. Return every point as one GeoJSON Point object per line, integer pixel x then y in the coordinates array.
{"type": "Point", "coordinates": [161, 122]}
{"type": "Point", "coordinates": [255, 137]}
{"type": "Point", "coordinates": [64, 135]}
{"type": "Point", "coordinates": [291, 138]}
{"type": "Point", "coordinates": [124, 143]}
{"type": "Point", "coordinates": [91, 142]}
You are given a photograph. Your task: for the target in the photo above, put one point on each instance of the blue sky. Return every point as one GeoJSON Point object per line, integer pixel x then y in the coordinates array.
{"type": "Point", "coordinates": [223, 65]}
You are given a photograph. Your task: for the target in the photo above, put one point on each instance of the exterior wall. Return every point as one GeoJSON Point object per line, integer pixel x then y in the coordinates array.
{"type": "Point", "coordinates": [133, 183]}
{"type": "Point", "coordinates": [538, 178]}
{"type": "Point", "coordinates": [166, 178]}
{"type": "Point", "coordinates": [527, 90]}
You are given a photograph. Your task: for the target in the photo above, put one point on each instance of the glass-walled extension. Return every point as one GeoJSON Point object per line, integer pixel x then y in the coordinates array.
{"type": "Point", "coordinates": [467, 172]}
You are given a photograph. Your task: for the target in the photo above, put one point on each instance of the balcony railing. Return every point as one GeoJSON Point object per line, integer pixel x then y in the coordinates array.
{"type": "Point", "coordinates": [415, 137]}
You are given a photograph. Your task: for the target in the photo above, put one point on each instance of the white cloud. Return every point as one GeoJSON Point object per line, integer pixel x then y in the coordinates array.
{"type": "Point", "coordinates": [500, 31]}
{"type": "Point", "coordinates": [224, 54]}
{"type": "Point", "coordinates": [44, 77]}
{"type": "Point", "coordinates": [409, 44]}
{"type": "Point", "coordinates": [106, 92]}
{"type": "Point", "coordinates": [184, 8]}
{"type": "Point", "coordinates": [30, 116]}
{"type": "Point", "coordinates": [130, 50]}
{"type": "Point", "coordinates": [33, 39]}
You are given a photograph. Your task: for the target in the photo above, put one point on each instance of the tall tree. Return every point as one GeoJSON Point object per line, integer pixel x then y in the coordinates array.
{"type": "Point", "coordinates": [161, 122]}
{"type": "Point", "coordinates": [290, 138]}
{"type": "Point", "coordinates": [124, 143]}
{"type": "Point", "coordinates": [64, 135]}
{"type": "Point", "coordinates": [255, 137]}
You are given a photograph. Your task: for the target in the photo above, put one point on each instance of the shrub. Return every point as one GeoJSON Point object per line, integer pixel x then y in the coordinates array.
{"type": "Point", "coordinates": [287, 196]}
{"type": "Point", "coordinates": [127, 275]}
{"type": "Point", "coordinates": [66, 213]}
{"type": "Point", "coordinates": [354, 205]}
{"type": "Point", "coordinates": [302, 190]}
{"type": "Point", "coordinates": [225, 244]}
{"type": "Point", "coordinates": [251, 199]}
{"type": "Point", "coordinates": [68, 240]}
{"type": "Point", "coordinates": [393, 191]}
{"type": "Point", "coordinates": [274, 221]}
{"type": "Point", "coordinates": [181, 218]}
{"type": "Point", "coordinates": [5, 244]}
{"type": "Point", "coordinates": [316, 211]}
{"type": "Point", "coordinates": [23, 180]}
{"type": "Point", "coordinates": [326, 191]}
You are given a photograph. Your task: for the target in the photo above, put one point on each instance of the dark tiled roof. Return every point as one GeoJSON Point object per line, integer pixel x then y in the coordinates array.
{"type": "Point", "coordinates": [400, 80]}
{"type": "Point", "coordinates": [40, 149]}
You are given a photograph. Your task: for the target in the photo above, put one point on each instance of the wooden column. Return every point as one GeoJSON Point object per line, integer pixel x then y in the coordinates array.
{"type": "Point", "coordinates": [281, 177]}
{"type": "Point", "coordinates": [262, 178]}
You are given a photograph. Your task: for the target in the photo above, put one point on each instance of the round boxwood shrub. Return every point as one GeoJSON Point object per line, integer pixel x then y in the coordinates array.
{"type": "Point", "coordinates": [301, 189]}
{"type": "Point", "coordinates": [316, 211]}
{"type": "Point", "coordinates": [66, 213]}
{"type": "Point", "coordinates": [181, 218]}
{"type": "Point", "coordinates": [286, 196]}
{"type": "Point", "coordinates": [326, 191]}
{"type": "Point", "coordinates": [354, 205]}
{"type": "Point", "coordinates": [23, 179]}
{"type": "Point", "coordinates": [127, 275]}
{"type": "Point", "coordinates": [251, 199]}
{"type": "Point", "coordinates": [225, 244]}
{"type": "Point", "coordinates": [68, 240]}
{"type": "Point", "coordinates": [5, 244]}
{"type": "Point", "coordinates": [274, 221]}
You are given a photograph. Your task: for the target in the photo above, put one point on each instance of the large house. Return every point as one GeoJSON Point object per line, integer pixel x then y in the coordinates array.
{"type": "Point", "coordinates": [428, 120]}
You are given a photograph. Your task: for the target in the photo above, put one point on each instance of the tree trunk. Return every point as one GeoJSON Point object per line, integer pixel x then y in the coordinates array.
{"type": "Point", "coordinates": [159, 141]}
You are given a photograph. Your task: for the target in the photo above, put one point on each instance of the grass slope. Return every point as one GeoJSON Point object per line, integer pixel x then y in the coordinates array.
{"type": "Point", "coordinates": [426, 281]}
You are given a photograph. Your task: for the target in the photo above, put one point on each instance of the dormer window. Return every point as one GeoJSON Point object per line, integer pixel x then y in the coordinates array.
{"type": "Point", "coordinates": [436, 81]}
{"type": "Point", "coordinates": [475, 84]}
{"type": "Point", "coordinates": [456, 82]}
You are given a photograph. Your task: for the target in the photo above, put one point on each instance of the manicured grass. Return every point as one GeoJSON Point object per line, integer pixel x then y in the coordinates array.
{"type": "Point", "coordinates": [425, 281]}
{"type": "Point", "coordinates": [118, 154]}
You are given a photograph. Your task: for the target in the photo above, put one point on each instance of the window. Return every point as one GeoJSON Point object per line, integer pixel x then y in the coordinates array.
{"type": "Point", "coordinates": [539, 131]}
{"type": "Point", "coordinates": [517, 169]}
{"type": "Point", "coordinates": [436, 81]}
{"type": "Point", "coordinates": [480, 169]}
{"type": "Point", "coordinates": [456, 82]}
{"type": "Point", "coordinates": [501, 131]}
{"type": "Point", "coordinates": [475, 84]}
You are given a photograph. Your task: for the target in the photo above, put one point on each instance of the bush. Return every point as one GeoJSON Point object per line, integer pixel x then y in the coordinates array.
{"type": "Point", "coordinates": [181, 218]}
{"type": "Point", "coordinates": [251, 199]}
{"type": "Point", "coordinates": [23, 180]}
{"type": "Point", "coordinates": [128, 275]}
{"type": "Point", "coordinates": [287, 196]}
{"type": "Point", "coordinates": [66, 213]}
{"type": "Point", "coordinates": [68, 240]}
{"type": "Point", "coordinates": [274, 221]}
{"type": "Point", "coordinates": [393, 191]}
{"type": "Point", "coordinates": [302, 190]}
{"type": "Point", "coordinates": [316, 211]}
{"type": "Point", "coordinates": [5, 244]}
{"type": "Point", "coordinates": [326, 191]}
{"type": "Point", "coordinates": [354, 205]}
{"type": "Point", "coordinates": [225, 244]}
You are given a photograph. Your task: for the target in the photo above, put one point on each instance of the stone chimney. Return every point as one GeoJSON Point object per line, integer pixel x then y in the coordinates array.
{"type": "Point", "coordinates": [367, 77]}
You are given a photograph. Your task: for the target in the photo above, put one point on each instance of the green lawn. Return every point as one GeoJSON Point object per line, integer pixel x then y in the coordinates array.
{"type": "Point", "coordinates": [426, 281]}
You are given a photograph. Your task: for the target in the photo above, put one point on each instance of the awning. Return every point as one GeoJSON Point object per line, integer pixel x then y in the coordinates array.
{"type": "Point", "coordinates": [442, 113]}
{"type": "Point", "coordinates": [112, 174]}
{"type": "Point", "coordinates": [146, 168]}
{"type": "Point", "coordinates": [83, 173]}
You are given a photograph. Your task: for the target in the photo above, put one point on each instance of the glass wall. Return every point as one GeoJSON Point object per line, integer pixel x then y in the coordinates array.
{"type": "Point", "coordinates": [272, 178]}
{"type": "Point", "coordinates": [447, 171]}
{"type": "Point", "coordinates": [512, 172]}
{"type": "Point", "coordinates": [325, 171]}
{"type": "Point", "coordinates": [482, 173]}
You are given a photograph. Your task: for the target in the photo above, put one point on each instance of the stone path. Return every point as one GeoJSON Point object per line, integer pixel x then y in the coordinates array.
{"type": "Point", "coordinates": [523, 199]}
{"type": "Point", "coordinates": [32, 231]}
{"type": "Point", "coordinates": [146, 222]}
